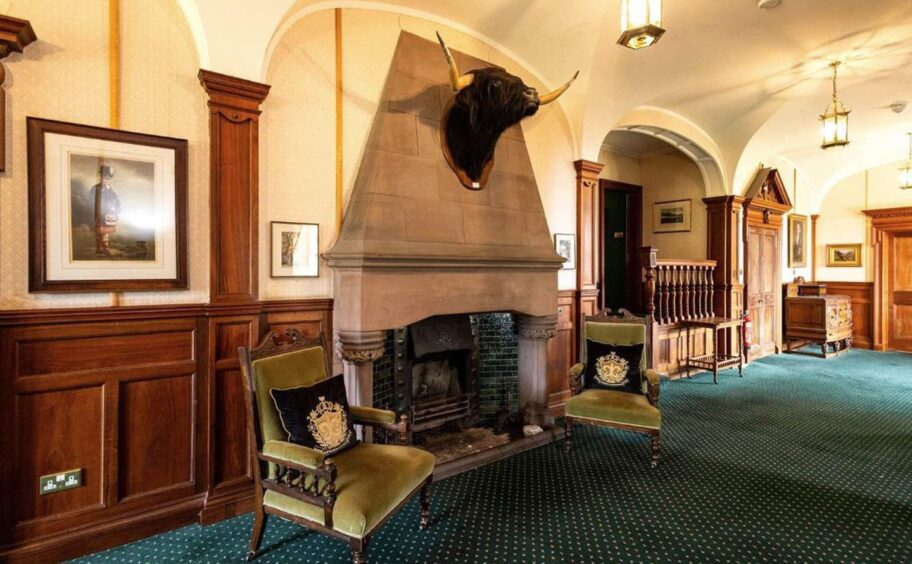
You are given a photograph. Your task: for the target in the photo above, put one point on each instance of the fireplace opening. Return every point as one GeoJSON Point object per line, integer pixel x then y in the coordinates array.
{"type": "Point", "coordinates": [436, 372]}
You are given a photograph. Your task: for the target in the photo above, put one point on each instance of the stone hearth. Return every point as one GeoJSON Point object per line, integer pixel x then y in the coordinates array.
{"type": "Point", "coordinates": [416, 244]}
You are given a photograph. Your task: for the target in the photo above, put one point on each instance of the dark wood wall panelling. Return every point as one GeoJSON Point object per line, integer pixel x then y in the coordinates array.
{"type": "Point", "coordinates": [563, 352]}
{"type": "Point", "coordinates": [147, 401]}
{"type": "Point", "coordinates": [862, 294]}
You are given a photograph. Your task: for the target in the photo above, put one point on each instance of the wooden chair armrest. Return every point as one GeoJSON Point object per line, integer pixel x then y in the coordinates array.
{"type": "Point", "coordinates": [576, 378]}
{"type": "Point", "coordinates": [653, 384]}
{"type": "Point", "coordinates": [382, 419]}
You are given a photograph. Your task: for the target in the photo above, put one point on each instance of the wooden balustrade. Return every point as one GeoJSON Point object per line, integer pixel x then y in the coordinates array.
{"type": "Point", "coordinates": [677, 290]}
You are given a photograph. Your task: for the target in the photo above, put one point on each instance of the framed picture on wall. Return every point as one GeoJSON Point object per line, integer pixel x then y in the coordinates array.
{"type": "Point", "coordinates": [844, 255]}
{"type": "Point", "coordinates": [671, 217]}
{"type": "Point", "coordinates": [797, 241]}
{"type": "Point", "coordinates": [295, 249]}
{"type": "Point", "coordinates": [565, 245]}
{"type": "Point", "coordinates": [107, 209]}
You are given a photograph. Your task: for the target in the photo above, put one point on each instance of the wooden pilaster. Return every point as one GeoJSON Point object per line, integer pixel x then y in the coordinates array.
{"type": "Point", "coordinates": [234, 111]}
{"type": "Point", "coordinates": [588, 233]}
{"type": "Point", "coordinates": [722, 246]}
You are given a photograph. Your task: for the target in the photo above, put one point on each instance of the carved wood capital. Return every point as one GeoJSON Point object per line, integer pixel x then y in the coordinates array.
{"type": "Point", "coordinates": [537, 328]}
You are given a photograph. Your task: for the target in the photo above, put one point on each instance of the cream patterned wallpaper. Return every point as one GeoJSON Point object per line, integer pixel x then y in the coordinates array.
{"type": "Point", "coordinates": [297, 181]}
{"type": "Point", "coordinates": [64, 76]}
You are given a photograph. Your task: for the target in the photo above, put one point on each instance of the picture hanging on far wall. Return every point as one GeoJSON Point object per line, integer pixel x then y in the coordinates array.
{"type": "Point", "coordinates": [295, 249]}
{"type": "Point", "coordinates": [565, 244]}
{"type": "Point", "coordinates": [671, 217]}
{"type": "Point", "coordinates": [107, 209]}
{"type": "Point", "coordinates": [797, 237]}
{"type": "Point", "coordinates": [844, 255]}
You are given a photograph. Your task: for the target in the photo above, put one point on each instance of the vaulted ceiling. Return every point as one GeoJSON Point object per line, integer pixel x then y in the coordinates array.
{"type": "Point", "coordinates": [751, 82]}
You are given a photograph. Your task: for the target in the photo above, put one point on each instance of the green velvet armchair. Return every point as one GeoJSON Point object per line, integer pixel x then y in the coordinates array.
{"type": "Point", "coordinates": [609, 408]}
{"type": "Point", "coordinates": [348, 496]}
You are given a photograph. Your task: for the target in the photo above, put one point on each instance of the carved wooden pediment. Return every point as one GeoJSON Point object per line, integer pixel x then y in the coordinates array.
{"type": "Point", "coordinates": [767, 191]}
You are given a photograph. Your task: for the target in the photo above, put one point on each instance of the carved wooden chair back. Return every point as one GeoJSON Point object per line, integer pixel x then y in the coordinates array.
{"type": "Point", "coordinates": [626, 328]}
{"type": "Point", "coordinates": [280, 361]}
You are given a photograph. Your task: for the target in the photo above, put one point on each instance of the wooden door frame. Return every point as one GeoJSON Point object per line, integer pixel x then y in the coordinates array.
{"type": "Point", "coordinates": [885, 225]}
{"type": "Point", "coordinates": [635, 218]}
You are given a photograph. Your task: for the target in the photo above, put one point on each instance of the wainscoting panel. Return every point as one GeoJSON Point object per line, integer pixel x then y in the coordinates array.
{"type": "Point", "coordinates": [862, 294]}
{"type": "Point", "coordinates": [562, 352]}
{"type": "Point", "coordinates": [147, 401]}
{"type": "Point", "coordinates": [671, 346]}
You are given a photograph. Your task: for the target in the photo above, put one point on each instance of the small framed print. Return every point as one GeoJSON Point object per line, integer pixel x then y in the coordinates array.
{"type": "Point", "coordinates": [295, 249]}
{"type": "Point", "coordinates": [107, 209]}
{"type": "Point", "coordinates": [797, 241]}
{"type": "Point", "coordinates": [565, 245]}
{"type": "Point", "coordinates": [844, 255]}
{"type": "Point", "coordinates": [671, 217]}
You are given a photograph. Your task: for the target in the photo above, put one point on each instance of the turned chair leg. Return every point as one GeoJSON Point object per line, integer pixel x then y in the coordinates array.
{"type": "Point", "coordinates": [656, 448]}
{"type": "Point", "coordinates": [426, 504]}
{"type": "Point", "coordinates": [568, 423]}
{"type": "Point", "coordinates": [259, 527]}
{"type": "Point", "coordinates": [359, 551]}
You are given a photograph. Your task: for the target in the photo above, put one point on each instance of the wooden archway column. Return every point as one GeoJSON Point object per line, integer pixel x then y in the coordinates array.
{"type": "Point", "coordinates": [886, 224]}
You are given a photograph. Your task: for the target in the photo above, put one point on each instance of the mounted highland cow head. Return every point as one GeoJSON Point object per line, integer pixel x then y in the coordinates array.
{"type": "Point", "coordinates": [486, 103]}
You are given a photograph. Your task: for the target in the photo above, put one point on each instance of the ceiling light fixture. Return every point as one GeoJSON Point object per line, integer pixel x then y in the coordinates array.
{"type": "Point", "coordinates": [641, 23]}
{"type": "Point", "coordinates": [905, 172]}
{"type": "Point", "coordinates": [834, 123]}
{"type": "Point", "coordinates": [768, 4]}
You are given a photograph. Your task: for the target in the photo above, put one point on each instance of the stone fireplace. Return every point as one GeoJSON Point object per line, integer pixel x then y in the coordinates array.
{"type": "Point", "coordinates": [415, 244]}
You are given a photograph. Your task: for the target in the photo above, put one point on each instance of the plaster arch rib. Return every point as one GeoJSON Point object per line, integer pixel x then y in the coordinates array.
{"type": "Point", "coordinates": [304, 8]}
{"type": "Point", "coordinates": [685, 136]}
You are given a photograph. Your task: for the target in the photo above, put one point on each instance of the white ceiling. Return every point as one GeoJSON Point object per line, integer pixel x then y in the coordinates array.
{"type": "Point", "coordinates": [750, 81]}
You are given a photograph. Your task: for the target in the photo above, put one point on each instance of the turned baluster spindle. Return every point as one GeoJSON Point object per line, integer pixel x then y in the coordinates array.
{"type": "Point", "coordinates": [691, 293]}
{"type": "Point", "coordinates": [663, 297]}
{"type": "Point", "coordinates": [710, 295]}
{"type": "Point", "coordinates": [673, 297]}
{"type": "Point", "coordinates": [650, 292]}
{"type": "Point", "coordinates": [701, 289]}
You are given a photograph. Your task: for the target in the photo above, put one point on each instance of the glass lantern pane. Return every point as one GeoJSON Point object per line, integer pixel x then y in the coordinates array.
{"type": "Point", "coordinates": [655, 12]}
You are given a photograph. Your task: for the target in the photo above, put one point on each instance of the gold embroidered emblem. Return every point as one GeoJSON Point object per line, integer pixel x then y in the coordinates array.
{"type": "Point", "coordinates": [611, 370]}
{"type": "Point", "coordinates": [328, 424]}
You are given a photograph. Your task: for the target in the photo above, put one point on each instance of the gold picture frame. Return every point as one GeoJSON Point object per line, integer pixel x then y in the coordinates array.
{"type": "Point", "coordinates": [844, 256]}
{"type": "Point", "coordinates": [672, 217]}
{"type": "Point", "coordinates": [797, 241]}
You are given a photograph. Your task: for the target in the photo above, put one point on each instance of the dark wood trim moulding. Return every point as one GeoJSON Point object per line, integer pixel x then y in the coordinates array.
{"type": "Point", "coordinates": [21, 317]}
{"type": "Point", "coordinates": [15, 35]}
{"type": "Point", "coordinates": [234, 90]}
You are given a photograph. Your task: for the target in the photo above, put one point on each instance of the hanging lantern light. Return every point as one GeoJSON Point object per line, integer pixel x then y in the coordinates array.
{"type": "Point", "coordinates": [834, 123]}
{"type": "Point", "coordinates": [641, 23]}
{"type": "Point", "coordinates": [905, 172]}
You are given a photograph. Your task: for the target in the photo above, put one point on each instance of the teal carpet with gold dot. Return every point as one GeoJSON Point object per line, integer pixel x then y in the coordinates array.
{"type": "Point", "coordinates": [801, 460]}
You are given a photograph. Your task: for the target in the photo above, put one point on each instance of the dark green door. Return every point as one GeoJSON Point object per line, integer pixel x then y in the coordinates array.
{"type": "Point", "coordinates": [615, 248]}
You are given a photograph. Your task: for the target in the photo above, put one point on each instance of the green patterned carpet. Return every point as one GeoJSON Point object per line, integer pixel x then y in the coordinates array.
{"type": "Point", "coordinates": [801, 460]}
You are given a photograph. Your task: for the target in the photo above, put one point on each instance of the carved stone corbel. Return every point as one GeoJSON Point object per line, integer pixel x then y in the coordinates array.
{"type": "Point", "coordinates": [358, 351]}
{"type": "Point", "coordinates": [15, 35]}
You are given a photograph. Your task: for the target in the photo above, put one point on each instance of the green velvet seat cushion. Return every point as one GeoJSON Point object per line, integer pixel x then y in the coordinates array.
{"type": "Point", "coordinates": [371, 481]}
{"type": "Point", "coordinates": [614, 407]}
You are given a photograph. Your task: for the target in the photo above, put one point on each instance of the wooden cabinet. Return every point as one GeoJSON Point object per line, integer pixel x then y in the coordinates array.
{"type": "Point", "coordinates": [826, 320]}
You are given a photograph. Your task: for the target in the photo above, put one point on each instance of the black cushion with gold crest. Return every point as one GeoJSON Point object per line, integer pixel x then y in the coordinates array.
{"type": "Point", "coordinates": [317, 416]}
{"type": "Point", "coordinates": [614, 367]}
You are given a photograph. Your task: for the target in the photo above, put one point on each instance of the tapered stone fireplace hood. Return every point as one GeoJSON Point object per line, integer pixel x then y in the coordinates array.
{"type": "Point", "coordinates": [415, 243]}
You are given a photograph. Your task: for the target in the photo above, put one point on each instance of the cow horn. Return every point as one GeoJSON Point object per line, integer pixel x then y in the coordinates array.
{"type": "Point", "coordinates": [458, 81]}
{"type": "Point", "coordinates": [552, 96]}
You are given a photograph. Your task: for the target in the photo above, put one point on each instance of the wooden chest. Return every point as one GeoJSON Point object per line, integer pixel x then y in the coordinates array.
{"type": "Point", "coordinates": [824, 320]}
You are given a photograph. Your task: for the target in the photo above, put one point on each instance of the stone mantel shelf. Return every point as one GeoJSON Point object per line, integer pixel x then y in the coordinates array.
{"type": "Point", "coordinates": [361, 262]}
